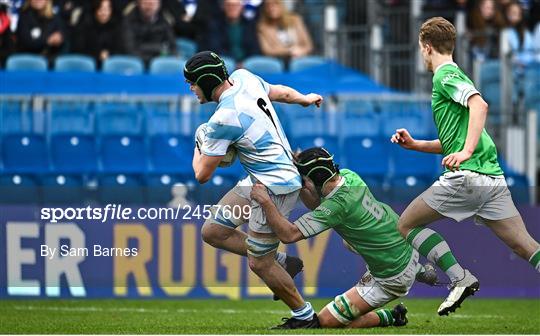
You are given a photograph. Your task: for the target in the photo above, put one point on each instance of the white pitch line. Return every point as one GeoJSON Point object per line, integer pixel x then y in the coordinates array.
{"type": "Point", "coordinates": [149, 310]}
{"type": "Point", "coordinates": [223, 311]}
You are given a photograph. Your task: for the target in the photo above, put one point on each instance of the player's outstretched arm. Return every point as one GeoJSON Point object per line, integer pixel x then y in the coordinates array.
{"type": "Point", "coordinates": [204, 165]}
{"type": "Point", "coordinates": [286, 231]}
{"type": "Point", "coordinates": [285, 94]}
{"type": "Point", "coordinates": [478, 110]}
{"type": "Point", "coordinates": [403, 138]}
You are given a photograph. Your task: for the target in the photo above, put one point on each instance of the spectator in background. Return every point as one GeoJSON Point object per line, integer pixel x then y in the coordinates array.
{"type": "Point", "coordinates": [146, 32]}
{"type": "Point", "coordinates": [189, 18]}
{"type": "Point", "coordinates": [231, 34]}
{"type": "Point", "coordinates": [536, 42]}
{"type": "Point", "coordinates": [281, 33]}
{"type": "Point", "coordinates": [72, 13]}
{"type": "Point", "coordinates": [520, 39]}
{"type": "Point", "coordinates": [39, 30]}
{"type": "Point", "coordinates": [100, 34]}
{"type": "Point", "coordinates": [6, 42]}
{"type": "Point", "coordinates": [485, 22]}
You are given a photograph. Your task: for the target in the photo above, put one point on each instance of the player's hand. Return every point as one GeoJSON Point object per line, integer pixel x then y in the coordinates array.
{"type": "Point", "coordinates": [260, 194]}
{"type": "Point", "coordinates": [403, 138]}
{"type": "Point", "coordinates": [453, 160]}
{"type": "Point", "coordinates": [311, 99]}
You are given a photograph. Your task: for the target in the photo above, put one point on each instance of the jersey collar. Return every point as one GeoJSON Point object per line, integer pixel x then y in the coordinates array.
{"type": "Point", "coordinates": [443, 64]}
{"type": "Point", "coordinates": [336, 188]}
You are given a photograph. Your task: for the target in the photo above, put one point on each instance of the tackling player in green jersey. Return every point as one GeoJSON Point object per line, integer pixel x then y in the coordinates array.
{"type": "Point", "coordinates": [473, 183]}
{"type": "Point", "coordinates": [340, 200]}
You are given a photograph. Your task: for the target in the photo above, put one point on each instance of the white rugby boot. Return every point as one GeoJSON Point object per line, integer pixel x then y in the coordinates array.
{"type": "Point", "coordinates": [459, 291]}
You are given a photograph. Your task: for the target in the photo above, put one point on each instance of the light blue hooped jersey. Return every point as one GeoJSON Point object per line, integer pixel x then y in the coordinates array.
{"type": "Point", "coordinates": [246, 119]}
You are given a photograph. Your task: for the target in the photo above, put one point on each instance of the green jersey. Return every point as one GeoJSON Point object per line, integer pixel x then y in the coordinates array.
{"type": "Point", "coordinates": [368, 226]}
{"type": "Point", "coordinates": [451, 92]}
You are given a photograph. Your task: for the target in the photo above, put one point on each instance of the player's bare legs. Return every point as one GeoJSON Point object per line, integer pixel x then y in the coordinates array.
{"type": "Point", "coordinates": [432, 245]}
{"type": "Point", "coordinates": [223, 237]}
{"type": "Point", "coordinates": [274, 276]}
{"type": "Point", "coordinates": [355, 312]}
{"type": "Point", "coordinates": [417, 214]}
{"type": "Point", "coordinates": [512, 232]}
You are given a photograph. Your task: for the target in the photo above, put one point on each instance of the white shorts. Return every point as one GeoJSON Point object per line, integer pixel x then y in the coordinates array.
{"type": "Point", "coordinates": [378, 292]}
{"type": "Point", "coordinates": [463, 194]}
{"type": "Point", "coordinates": [257, 221]}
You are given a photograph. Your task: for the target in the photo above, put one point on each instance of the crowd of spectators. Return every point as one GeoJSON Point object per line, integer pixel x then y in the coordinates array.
{"type": "Point", "coordinates": [233, 28]}
{"type": "Point", "coordinates": [150, 28]}
{"type": "Point", "coordinates": [486, 19]}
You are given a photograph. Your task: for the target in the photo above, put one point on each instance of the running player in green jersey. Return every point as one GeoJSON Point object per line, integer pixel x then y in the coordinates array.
{"type": "Point", "coordinates": [473, 183]}
{"type": "Point", "coordinates": [341, 200]}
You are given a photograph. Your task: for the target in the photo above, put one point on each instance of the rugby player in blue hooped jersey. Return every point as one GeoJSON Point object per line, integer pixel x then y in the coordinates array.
{"type": "Point", "coordinates": [246, 120]}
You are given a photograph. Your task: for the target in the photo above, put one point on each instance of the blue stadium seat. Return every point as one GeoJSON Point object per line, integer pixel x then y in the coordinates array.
{"type": "Point", "coordinates": [407, 163]}
{"type": "Point", "coordinates": [212, 191]}
{"type": "Point", "coordinates": [18, 189]}
{"type": "Point", "coordinates": [298, 121]}
{"type": "Point", "coordinates": [230, 64]}
{"type": "Point", "coordinates": [123, 154]}
{"type": "Point", "coordinates": [331, 143]}
{"type": "Point", "coordinates": [492, 95]}
{"type": "Point", "coordinates": [171, 154]}
{"type": "Point", "coordinates": [202, 115]}
{"type": "Point", "coordinates": [302, 63]}
{"type": "Point", "coordinates": [414, 116]}
{"type": "Point", "coordinates": [414, 124]}
{"type": "Point", "coordinates": [164, 121]}
{"type": "Point", "coordinates": [71, 121]}
{"type": "Point", "coordinates": [367, 155]}
{"type": "Point", "coordinates": [123, 65]}
{"type": "Point", "coordinates": [359, 124]}
{"type": "Point", "coordinates": [404, 190]}
{"type": "Point", "coordinates": [167, 65]}
{"type": "Point", "coordinates": [121, 119]}
{"type": "Point", "coordinates": [24, 153]}
{"type": "Point", "coordinates": [76, 63]}
{"type": "Point", "coordinates": [356, 106]}
{"type": "Point", "coordinates": [490, 72]}
{"type": "Point", "coordinates": [519, 187]}
{"type": "Point", "coordinates": [62, 189]}
{"type": "Point", "coordinates": [163, 188]}
{"type": "Point", "coordinates": [186, 47]}
{"type": "Point", "coordinates": [15, 117]}
{"type": "Point", "coordinates": [74, 153]}
{"type": "Point", "coordinates": [26, 62]}
{"type": "Point", "coordinates": [264, 65]}
{"type": "Point", "coordinates": [121, 189]}
{"type": "Point", "coordinates": [532, 88]}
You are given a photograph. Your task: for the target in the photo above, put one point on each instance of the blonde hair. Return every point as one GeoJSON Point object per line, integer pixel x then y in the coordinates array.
{"type": "Point", "coordinates": [47, 10]}
{"type": "Point", "coordinates": [440, 33]}
{"type": "Point", "coordinates": [283, 22]}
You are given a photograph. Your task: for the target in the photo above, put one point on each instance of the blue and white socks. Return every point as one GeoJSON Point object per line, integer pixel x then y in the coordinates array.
{"type": "Point", "coordinates": [303, 313]}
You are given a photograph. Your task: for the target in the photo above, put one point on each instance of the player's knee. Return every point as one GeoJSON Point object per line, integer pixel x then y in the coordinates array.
{"type": "Point", "coordinates": [261, 253]}
{"type": "Point", "coordinates": [212, 235]}
{"type": "Point", "coordinates": [343, 310]}
{"type": "Point", "coordinates": [403, 229]}
{"type": "Point", "coordinates": [258, 265]}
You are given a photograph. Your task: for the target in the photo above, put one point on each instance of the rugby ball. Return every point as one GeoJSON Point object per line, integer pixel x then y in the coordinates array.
{"type": "Point", "coordinates": [200, 138]}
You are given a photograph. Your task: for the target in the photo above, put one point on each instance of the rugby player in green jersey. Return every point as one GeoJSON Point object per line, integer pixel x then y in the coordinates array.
{"type": "Point", "coordinates": [473, 183]}
{"type": "Point", "coordinates": [341, 200]}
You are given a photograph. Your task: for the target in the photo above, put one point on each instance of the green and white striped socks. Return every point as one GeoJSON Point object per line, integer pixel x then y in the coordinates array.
{"type": "Point", "coordinates": [535, 260]}
{"type": "Point", "coordinates": [432, 245]}
{"type": "Point", "coordinates": [385, 317]}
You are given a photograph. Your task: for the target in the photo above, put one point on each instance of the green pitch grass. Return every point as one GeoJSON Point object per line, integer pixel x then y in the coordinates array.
{"type": "Point", "coordinates": [477, 316]}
